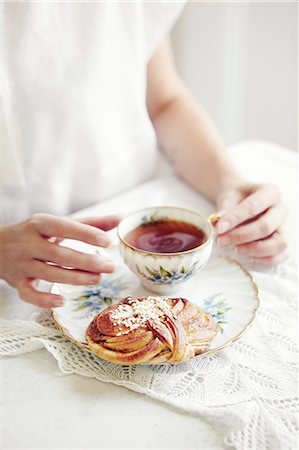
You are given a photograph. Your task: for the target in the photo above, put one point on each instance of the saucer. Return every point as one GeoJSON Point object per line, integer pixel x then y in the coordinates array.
{"type": "Point", "coordinates": [223, 288]}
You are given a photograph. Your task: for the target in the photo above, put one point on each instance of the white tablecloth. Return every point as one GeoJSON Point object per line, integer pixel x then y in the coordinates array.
{"type": "Point", "coordinates": [42, 409]}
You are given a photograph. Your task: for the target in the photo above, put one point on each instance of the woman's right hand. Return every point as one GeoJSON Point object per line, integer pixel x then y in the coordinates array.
{"type": "Point", "coordinates": [27, 253]}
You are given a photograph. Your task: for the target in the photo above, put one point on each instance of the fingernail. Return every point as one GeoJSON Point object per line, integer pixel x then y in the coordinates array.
{"type": "Point", "coordinates": [222, 227]}
{"type": "Point", "coordinates": [222, 241]}
{"type": "Point", "coordinates": [94, 279]}
{"type": "Point", "coordinates": [242, 250]}
{"type": "Point", "coordinates": [108, 266]}
{"type": "Point", "coordinates": [58, 302]}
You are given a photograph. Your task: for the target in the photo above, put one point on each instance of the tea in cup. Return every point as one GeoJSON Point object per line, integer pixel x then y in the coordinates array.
{"type": "Point", "coordinates": [165, 246]}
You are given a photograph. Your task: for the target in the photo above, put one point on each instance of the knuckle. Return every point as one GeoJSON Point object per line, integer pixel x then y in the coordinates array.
{"type": "Point", "coordinates": [258, 246]}
{"type": "Point", "coordinates": [84, 262]}
{"type": "Point", "coordinates": [68, 275]}
{"type": "Point", "coordinates": [240, 236]}
{"type": "Point", "coordinates": [61, 227]}
{"type": "Point", "coordinates": [53, 274]}
{"type": "Point", "coordinates": [283, 245]}
{"type": "Point", "coordinates": [265, 228]}
{"type": "Point", "coordinates": [98, 280]}
{"type": "Point", "coordinates": [96, 263]}
{"type": "Point", "coordinates": [43, 302]}
{"type": "Point", "coordinates": [55, 252]}
{"type": "Point", "coordinates": [36, 219]}
{"type": "Point", "coordinates": [82, 278]}
{"type": "Point", "coordinates": [235, 219]}
{"type": "Point", "coordinates": [251, 207]}
{"type": "Point", "coordinates": [44, 272]}
{"type": "Point", "coordinates": [76, 278]}
{"type": "Point", "coordinates": [91, 260]}
{"type": "Point", "coordinates": [77, 281]}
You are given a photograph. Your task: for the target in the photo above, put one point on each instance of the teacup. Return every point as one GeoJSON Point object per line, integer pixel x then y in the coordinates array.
{"type": "Point", "coordinates": [160, 272]}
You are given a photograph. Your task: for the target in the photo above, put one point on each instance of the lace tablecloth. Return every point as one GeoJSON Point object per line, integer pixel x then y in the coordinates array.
{"type": "Point", "coordinates": [248, 390]}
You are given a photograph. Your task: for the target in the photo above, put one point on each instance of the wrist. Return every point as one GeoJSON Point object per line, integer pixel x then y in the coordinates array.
{"type": "Point", "coordinates": [221, 176]}
{"type": "Point", "coordinates": [229, 181]}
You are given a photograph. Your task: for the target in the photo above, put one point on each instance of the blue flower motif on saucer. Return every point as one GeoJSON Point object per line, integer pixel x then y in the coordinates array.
{"type": "Point", "coordinates": [97, 297]}
{"type": "Point", "coordinates": [217, 308]}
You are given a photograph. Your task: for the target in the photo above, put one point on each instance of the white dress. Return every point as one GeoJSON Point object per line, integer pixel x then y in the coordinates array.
{"type": "Point", "coordinates": [75, 126]}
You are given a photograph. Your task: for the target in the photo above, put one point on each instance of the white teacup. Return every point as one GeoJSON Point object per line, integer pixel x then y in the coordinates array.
{"type": "Point", "coordinates": [162, 272]}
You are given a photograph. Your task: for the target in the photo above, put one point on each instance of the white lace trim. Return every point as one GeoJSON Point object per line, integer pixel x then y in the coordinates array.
{"type": "Point", "coordinates": [248, 389]}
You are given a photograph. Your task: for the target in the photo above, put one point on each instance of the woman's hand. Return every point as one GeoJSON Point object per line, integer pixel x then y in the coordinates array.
{"type": "Point", "coordinates": [252, 220]}
{"type": "Point", "coordinates": [27, 253]}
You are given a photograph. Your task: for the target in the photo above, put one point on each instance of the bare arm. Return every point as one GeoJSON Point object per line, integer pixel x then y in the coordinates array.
{"type": "Point", "coordinates": [253, 213]}
{"type": "Point", "coordinates": [185, 132]}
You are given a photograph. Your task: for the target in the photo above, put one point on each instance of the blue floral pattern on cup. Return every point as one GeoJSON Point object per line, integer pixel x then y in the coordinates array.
{"type": "Point", "coordinates": [163, 276]}
{"type": "Point", "coordinates": [97, 297]}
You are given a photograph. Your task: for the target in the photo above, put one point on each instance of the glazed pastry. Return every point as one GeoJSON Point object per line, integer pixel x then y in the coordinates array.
{"type": "Point", "coordinates": [151, 331]}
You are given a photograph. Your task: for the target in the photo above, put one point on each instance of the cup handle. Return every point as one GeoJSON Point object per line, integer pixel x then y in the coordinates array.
{"type": "Point", "coordinates": [214, 218]}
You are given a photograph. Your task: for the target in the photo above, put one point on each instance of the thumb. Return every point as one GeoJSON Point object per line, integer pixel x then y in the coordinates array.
{"type": "Point", "coordinates": [104, 223]}
{"type": "Point", "coordinates": [226, 202]}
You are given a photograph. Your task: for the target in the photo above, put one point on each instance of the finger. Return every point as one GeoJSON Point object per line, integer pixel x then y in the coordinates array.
{"type": "Point", "coordinates": [271, 260]}
{"type": "Point", "coordinates": [104, 223]}
{"type": "Point", "coordinates": [261, 228]}
{"type": "Point", "coordinates": [55, 274]}
{"type": "Point", "coordinates": [272, 246]}
{"type": "Point", "coordinates": [61, 227]}
{"type": "Point", "coordinates": [43, 299]}
{"type": "Point", "coordinates": [67, 257]}
{"type": "Point", "coordinates": [228, 200]}
{"type": "Point", "coordinates": [259, 201]}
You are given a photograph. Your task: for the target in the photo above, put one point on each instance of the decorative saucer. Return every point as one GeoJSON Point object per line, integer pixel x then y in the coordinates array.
{"type": "Point", "coordinates": [223, 288]}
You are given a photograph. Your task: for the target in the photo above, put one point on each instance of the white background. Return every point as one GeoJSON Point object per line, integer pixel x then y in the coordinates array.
{"type": "Point", "coordinates": [240, 61]}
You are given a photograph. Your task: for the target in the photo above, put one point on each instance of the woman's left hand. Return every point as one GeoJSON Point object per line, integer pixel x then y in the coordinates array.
{"type": "Point", "coordinates": [252, 220]}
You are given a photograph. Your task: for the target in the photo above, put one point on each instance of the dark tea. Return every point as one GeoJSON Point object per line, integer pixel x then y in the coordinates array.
{"type": "Point", "coordinates": [166, 236]}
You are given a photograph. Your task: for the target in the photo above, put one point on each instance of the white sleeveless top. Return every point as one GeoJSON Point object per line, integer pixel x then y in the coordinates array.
{"type": "Point", "coordinates": [76, 129]}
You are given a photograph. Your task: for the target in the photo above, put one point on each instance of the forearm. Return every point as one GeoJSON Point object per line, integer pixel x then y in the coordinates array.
{"type": "Point", "coordinates": [190, 140]}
